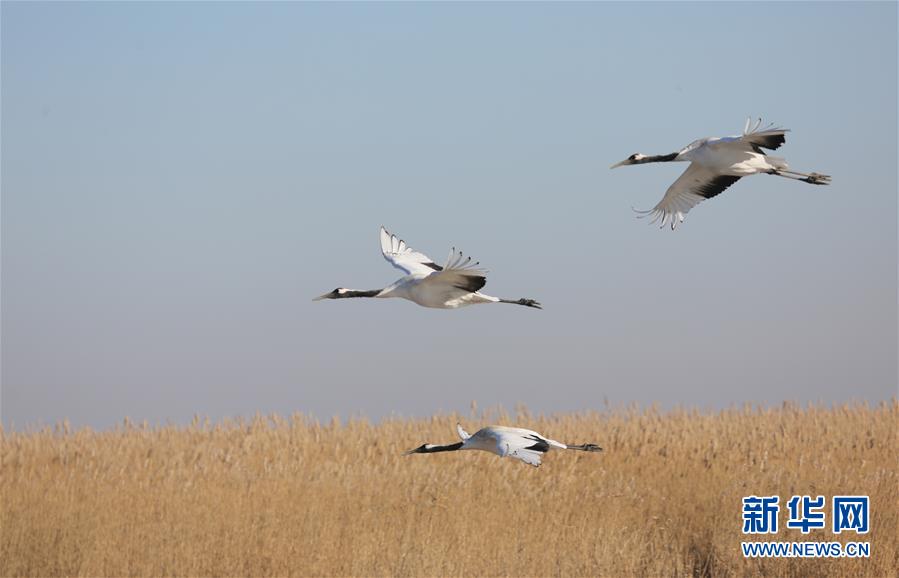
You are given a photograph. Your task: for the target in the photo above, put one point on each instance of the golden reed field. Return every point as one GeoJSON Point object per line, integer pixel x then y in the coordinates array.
{"type": "Point", "coordinates": [291, 497]}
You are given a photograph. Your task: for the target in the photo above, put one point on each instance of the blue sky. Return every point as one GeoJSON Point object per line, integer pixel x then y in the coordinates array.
{"type": "Point", "coordinates": [180, 179]}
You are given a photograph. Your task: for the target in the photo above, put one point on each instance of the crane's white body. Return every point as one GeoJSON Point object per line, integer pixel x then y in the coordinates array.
{"type": "Point", "coordinates": [731, 155]}
{"type": "Point", "coordinates": [446, 287]}
{"type": "Point", "coordinates": [454, 284]}
{"type": "Point", "coordinates": [437, 293]}
{"type": "Point", "coordinates": [437, 298]}
{"type": "Point", "coordinates": [509, 441]}
{"type": "Point", "coordinates": [715, 164]}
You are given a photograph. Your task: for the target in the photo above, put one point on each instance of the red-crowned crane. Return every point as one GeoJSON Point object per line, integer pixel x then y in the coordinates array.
{"type": "Point", "coordinates": [523, 444]}
{"type": "Point", "coordinates": [715, 164]}
{"type": "Point", "coordinates": [455, 284]}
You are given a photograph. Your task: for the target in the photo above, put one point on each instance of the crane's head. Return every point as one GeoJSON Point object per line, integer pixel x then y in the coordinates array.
{"type": "Point", "coordinates": [634, 159]}
{"type": "Point", "coordinates": [338, 293]}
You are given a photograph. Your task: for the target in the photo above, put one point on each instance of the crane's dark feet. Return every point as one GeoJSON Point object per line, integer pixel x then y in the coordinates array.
{"type": "Point", "coordinates": [817, 179]}
{"type": "Point", "coordinates": [522, 301]}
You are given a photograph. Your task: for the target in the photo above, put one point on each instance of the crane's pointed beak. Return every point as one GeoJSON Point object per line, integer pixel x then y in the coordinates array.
{"type": "Point", "coordinates": [621, 164]}
{"type": "Point", "coordinates": [324, 296]}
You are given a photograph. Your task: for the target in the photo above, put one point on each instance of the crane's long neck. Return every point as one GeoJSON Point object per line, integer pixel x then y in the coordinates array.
{"type": "Point", "coordinates": [584, 447]}
{"type": "Point", "coordinates": [431, 449]}
{"type": "Point", "coordinates": [354, 293]}
{"type": "Point", "coordinates": [657, 158]}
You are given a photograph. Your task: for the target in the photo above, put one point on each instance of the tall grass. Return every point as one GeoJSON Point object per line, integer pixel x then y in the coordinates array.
{"type": "Point", "coordinates": [276, 496]}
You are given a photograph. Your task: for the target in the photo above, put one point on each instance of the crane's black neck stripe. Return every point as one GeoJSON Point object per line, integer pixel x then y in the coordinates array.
{"type": "Point", "coordinates": [435, 449]}
{"type": "Point", "coordinates": [659, 158]}
{"type": "Point", "coordinates": [352, 293]}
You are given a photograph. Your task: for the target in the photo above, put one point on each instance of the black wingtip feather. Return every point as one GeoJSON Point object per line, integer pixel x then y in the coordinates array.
{"type": "Point", "coordinates": [540, 446]}
{"type": "Point", "coordinates": [715, 186]}
{"type": "Point", "coordinates": [471, 283]}
{"type": "Point", "coordinates": [771, 142]}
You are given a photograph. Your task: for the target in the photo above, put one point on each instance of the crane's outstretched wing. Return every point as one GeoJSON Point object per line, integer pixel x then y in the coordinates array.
{"type": "Point", "coordinates": [406, 258]}
{"type": "Point", "coordinates": [529, 434]}
{"type": "Point", "coordinates": [458, 276]}
{"type": "Point", "coordinates": [528, 448]}
{"type": "Point", "coordinates": [770, 137]}
{"type": "Point", "coordinates": [691, 188]}
{"type": "Point", "coordinates": [527, 456]}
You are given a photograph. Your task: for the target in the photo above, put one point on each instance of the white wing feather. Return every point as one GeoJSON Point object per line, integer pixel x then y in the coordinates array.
{"type": "Point", "coordinates": [458, 276]}
{"type": "Point", "coordinates": [456, 261]}
{"type": "Point", "coordinates": [770, 137]}
{"type": "Point", "coordinates": [680, 197]}
{"type": "Point", "coordinates": [516, 443]}
{"type": "Point", "coordinates": [404, 257]}
{"type": "Point", "coordinates": [527, 456]}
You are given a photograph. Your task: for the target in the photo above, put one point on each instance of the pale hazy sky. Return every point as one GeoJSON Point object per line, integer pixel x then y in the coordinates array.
{"type": "Point", "coordinates": [180, 179]}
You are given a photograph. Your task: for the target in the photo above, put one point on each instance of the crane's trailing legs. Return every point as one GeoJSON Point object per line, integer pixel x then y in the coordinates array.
{"type": "Point", "coordinates": [585, 447]}
{"type": "Point", "coordinates": [810, 178]}
{"type": "Point", "coordinates": [523, 301]}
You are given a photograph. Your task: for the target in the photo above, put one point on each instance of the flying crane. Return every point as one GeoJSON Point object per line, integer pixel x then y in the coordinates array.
{"type": "Point", "coordinates": [715, 164]}
{"type": "Point", "coordinates": [523, 444]}
{"type": "Point", "coordinates": [454, 284]}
